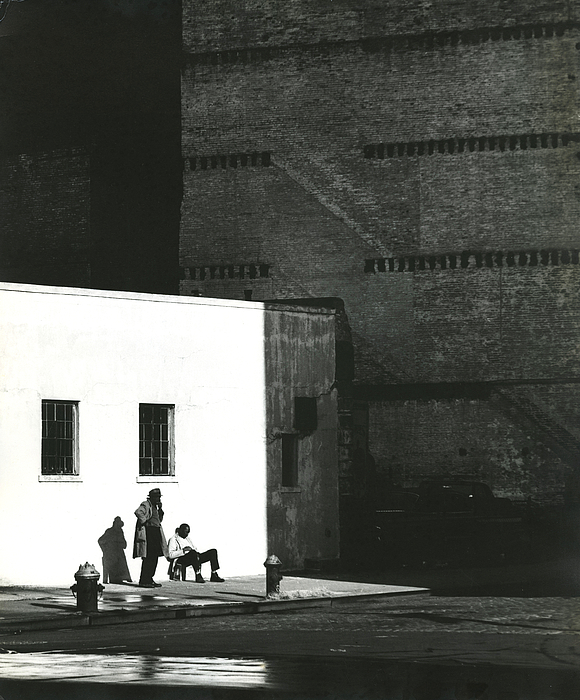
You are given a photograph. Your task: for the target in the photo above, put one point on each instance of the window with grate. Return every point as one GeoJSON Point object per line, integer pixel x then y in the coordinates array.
{"type": "Point", "coordinates": [155, 439]}
{"type": "Point", "coordinates": [59, 437]}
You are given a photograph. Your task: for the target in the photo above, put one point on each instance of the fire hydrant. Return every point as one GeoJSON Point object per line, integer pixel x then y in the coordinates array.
{"type": "Point", "coordinates": [86, 589]}
{"type": "Point", "coordinates": [273, 575]}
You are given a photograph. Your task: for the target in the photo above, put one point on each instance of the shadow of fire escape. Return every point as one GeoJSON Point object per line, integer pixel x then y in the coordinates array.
{"type": "Point", "coordinates": [523, 409]}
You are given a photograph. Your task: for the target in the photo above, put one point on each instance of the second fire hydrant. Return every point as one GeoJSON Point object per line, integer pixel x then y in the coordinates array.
{"type": "Point", "coordinates": [273, 575]}
{"type": "Point", "coordinates": [87, 590]}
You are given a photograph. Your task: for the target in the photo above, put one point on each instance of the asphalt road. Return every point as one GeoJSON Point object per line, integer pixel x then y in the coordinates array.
{"type": "Point", "coordinates": [434, 647]}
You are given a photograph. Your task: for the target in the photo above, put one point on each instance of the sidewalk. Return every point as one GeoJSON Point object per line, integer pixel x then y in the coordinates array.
{"type": "Point", "coordinates": [36, 608]}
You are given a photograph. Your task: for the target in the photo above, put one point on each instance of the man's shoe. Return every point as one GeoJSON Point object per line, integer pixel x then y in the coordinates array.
{"type": "Point", "coordinates": [147, 585]}
{"type": "Point", "coordinates": [199, 578]}
{"type": "Point", "coordinates": [155, 585]}
{"type": "Point", "coordinates": [216, 578]}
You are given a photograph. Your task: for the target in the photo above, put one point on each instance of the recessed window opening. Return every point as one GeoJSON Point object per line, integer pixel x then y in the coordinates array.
{"type": "Point", "coordinates": [59, 437]}
{"type": "Point", "coordinates": [289, 460]}
{"type": "Point", "coordinates": [156, 439]}
{"type": "Point", "coordinates": [305, 414]}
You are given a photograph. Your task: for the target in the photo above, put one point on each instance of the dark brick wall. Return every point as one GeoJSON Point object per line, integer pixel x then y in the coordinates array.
{"type": "Point", "coordinates": [321, 207]}
{"type": "Point", "coordinates": [420, 161]}
{"type": "Point", "coordinates": [45, 209]}
{"type": "Point", "coordinates": [507, 324]}
{"type": "Point", "coordinates": [222, 25]}
{"type": "Point", "coordinates": [413, 440]}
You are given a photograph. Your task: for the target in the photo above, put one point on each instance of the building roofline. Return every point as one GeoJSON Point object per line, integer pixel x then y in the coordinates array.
{"type": "Point", "coordinates": [162, 298]}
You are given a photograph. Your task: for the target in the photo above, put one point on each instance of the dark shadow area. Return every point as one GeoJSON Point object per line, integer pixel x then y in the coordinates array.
{"type": "Point", "coordinates": [90, 122]}
{"type": "Point", "coordinates": [455, 537]}
{"type": "Point", "coordinates": [114, 544]}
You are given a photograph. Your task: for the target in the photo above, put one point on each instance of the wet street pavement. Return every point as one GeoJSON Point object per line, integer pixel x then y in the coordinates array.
{"type": "Point", "coordinates": [412, 648]}
{"type": "Point", "coordinates": [151, 677]}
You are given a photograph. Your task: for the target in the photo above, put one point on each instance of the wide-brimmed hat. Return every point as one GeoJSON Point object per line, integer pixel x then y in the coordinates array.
{"type": "Point", "coordinates": [155, 492]}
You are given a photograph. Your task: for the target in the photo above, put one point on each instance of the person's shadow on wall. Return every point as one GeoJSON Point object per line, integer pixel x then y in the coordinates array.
{"type": "Point", "coordinates": [113, 544]}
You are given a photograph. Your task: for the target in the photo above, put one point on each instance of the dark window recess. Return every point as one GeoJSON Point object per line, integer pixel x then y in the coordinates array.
{"type": "Point", "coordinates": [305, 414]}
{"type": "Point", "coordinates": [248, 294]}
{"type": "Point", "coordinates": [59, 435]}
{"type": "Point", "coordinates": [289, 460]}
{"type": "Point", "coordinates": [344, 360]}
{"type": "Point", "coordinates": [155, 439]}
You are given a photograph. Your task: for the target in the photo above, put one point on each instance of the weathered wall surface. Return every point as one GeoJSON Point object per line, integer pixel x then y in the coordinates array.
{"type": "Point", "coordinates": [45, 205]}
{"type": "Point", "coordinates": [418, 160]}
{"type": "Point", "coordinates": [497, 324]}
{"type": "Point", "coordinates": [300, 362]}
{"type": "Point", "coordinates": [223, 25]}
{"type": "Point", "coordinates": [471, 438]}
{"type": "Point", "coordinates": [339, 186]}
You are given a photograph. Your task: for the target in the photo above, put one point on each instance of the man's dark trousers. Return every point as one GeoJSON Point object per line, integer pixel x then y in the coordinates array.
{"type": "Point", "coordinates": [196, 559]}
{"type": "Point", "coordinates": [154, 551]}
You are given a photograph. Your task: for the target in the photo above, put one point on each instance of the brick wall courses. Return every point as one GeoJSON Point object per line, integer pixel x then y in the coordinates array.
{"type": "Point", "coordinates": [491, 325]}
{"type": "Point", "coordinates": [222, 25]}
{"type": "Point", "coordinates": [412, 440]}
{"type": "Point", "coordinates": [315, 117]}
{"type": "Point", "coordinates": [321, 205]}
{"type": "Point", "coordinates": [441, 325]}
{"type": "Point", "coordinates": [521, 86]}
{"type": "Point", "coordinates": [559, 401]}
{"type": "Point", "coordinates": [403, 130]}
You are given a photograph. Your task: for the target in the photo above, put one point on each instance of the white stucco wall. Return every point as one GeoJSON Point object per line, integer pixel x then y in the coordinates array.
{"type": "Point", "coordinates": [111, 351]}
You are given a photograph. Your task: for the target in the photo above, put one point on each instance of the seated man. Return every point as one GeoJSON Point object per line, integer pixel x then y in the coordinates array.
{"type": "Point", "coordinates": [182, 551]}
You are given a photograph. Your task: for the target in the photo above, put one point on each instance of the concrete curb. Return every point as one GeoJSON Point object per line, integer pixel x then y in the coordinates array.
{"type": "Point", "coordinates": [76, 619]}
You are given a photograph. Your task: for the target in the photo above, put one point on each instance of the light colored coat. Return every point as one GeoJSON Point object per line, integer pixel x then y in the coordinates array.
{"type": "Point", "coordinates": [144, 513]}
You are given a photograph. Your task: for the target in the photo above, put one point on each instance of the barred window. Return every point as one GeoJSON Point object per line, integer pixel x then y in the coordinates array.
{"type": "Point", "coordinates": [155, 439]}
{"type": "Point", "coordinates": [59, 437]}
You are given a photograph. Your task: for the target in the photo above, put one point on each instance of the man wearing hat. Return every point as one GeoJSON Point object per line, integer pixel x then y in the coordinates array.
{"type": "Point", "coordinates": [150, 542]}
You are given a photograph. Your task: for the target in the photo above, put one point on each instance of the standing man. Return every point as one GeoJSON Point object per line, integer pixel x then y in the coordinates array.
{"type": "Point", "coordinates": [150, 543]}
{"type": "Point", "coordinates": [183, 552]}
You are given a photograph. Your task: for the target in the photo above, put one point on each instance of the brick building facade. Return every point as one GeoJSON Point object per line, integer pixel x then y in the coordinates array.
{"type": "Point", "coordinates": [420, 161]}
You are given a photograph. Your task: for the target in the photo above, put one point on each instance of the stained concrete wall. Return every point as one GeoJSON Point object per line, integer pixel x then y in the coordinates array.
{"type": "Point", "coordinates": [111, 351]}
{"type": "Point", "coordinates": [302, 519]}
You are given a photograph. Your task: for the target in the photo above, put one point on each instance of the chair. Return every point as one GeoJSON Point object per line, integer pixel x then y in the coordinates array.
{"type": "Point", "coordinates": [176, 571]}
